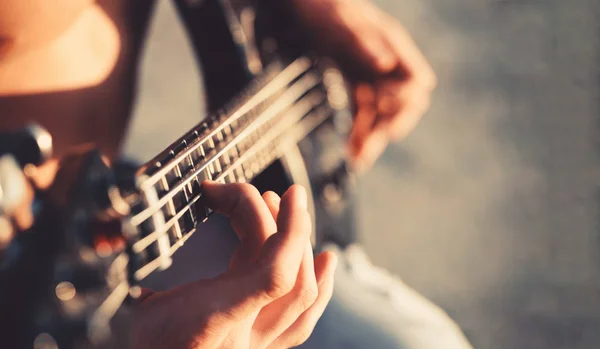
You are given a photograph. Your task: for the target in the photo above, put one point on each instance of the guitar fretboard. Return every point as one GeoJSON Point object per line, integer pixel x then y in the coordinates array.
{"type": "Point", "coordinates": [234, 145]}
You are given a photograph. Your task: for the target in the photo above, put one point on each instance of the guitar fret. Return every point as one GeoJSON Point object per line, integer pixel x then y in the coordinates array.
{"type": "Point", "coordinates": [177, 172]}
{"type": "Point", "coordinates": [235, 126]}
{"type": "Point", "coordinates": [180, 147]}
{"type": "Point", "coordinates": [247, 170]}
{"type": "Point", "coordinates": [200, 153]}
{"type": "Point", "coordinates": [240, 174]}
{"type": "Point", "coordinates": [210, 171]}
{"type": "Point", "coordinates": [172, 213]}
{"type": "Point", "coordinates": [211, 147]}
{"type": "Point", "coordinates": [219, 167]}
{"type": "Point", "coordinates": [202, 176]}
{"type": "Point", "coordinates": [228, 132]}
{"type": "Point", "coordinates": [225, 159]}
{"type": "Point", "coordinates": [163, 186]}
{"type": "Point", "coordinates": [193, 160]}
{"type": "Point", "coordinates": [257, 97]}
{"type": "Point", "coordinates": [190, 163]}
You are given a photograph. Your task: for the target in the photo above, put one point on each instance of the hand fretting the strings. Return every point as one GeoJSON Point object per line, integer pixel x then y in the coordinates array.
{"type": "Point", "coordinates": [233, 146]}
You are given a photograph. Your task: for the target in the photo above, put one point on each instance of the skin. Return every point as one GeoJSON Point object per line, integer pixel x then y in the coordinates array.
{"type": "Point", "coordinates": [392, 79]}
{"type": "Point", "coordinates": [271, 296]}
{"type": "Point", "coordinates": [70, 66]}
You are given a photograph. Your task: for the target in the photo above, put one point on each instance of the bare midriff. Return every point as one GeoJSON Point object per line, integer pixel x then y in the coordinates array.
{"type": "Point", "coordinates": [69, 65]}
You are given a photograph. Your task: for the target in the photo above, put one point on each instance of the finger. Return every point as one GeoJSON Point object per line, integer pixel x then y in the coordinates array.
{"type": "Point", "coordinates": [364, 94]}
{"type": "Point", "coordinates": [276, 317]}
{"type": "Point", "coordinates": [365, 98]}
{"type": "Point", "coordinates": [272, 200]}
{"type": "Point", "coordinates": [242, 203]}
{"type": "Point", "coordinates": [244, 255]}
{"type": "Point", "coordinates": [374, 145]}
{"type": "Point", "coordinates": [205, 312]}
{"type": "Point", "coordinates": [302, 328]}
{"type": "Point", "coordinates": [370, 48]}
{"type": "Point", "coordinates": [400, 106]}
{"type": "Point", "coordinates": [234, 301]}
{"type": "Point", "coordinates": [365, 42]}
{"type": "Point", "coordinates": [408, 118]}
{"type": "Point", "coordinates": [281, 255]}
{"type": "Point", "coordinates": [411, 59]}
{"type": "Point", "coordinates": [392, 94]}
{"type": "Point", "coordinates": [361, 128]}
{"type": "Point", "coordinates": [244, 291]}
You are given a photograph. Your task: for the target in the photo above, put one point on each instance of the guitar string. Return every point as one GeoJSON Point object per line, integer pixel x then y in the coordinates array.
{"type": "Point", "coordinates": [318, 113]}
{"type": "Point", "coordinates": [287, 99]}
{"type": "Point", "coordinates": [283, 79]}
{"type": "Point", "coordinates": [153, 236]}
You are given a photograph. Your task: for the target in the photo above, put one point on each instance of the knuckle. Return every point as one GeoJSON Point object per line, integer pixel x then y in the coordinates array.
{"type": "Point", "coordinates": [247, 191]}
{"type": "Point", "coordinates": [307, 297]}
{"type": "Point", "coordinates": [277, 283]}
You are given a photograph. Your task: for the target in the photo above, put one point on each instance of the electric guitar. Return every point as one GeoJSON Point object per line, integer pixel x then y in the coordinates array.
{"type": "Point", "coordinates": [280, 115]}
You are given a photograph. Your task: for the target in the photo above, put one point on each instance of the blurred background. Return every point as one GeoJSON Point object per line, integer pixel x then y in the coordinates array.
{"type": "Point", "coordinates": [490, 208]}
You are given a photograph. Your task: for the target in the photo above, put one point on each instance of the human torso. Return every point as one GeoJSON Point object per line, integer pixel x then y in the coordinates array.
{"type": "Point", "coordinates": [69, 65]}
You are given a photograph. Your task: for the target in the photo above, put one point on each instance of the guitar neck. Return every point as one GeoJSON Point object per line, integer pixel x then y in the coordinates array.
{"type": "Point", "coordinates": [235, 145]}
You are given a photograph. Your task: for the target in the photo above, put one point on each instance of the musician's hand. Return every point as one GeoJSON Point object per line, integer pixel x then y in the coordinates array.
{"type": "Point", "coordinates": [271, 296]}
{"type": "Point", "coordinates": [393, 81]}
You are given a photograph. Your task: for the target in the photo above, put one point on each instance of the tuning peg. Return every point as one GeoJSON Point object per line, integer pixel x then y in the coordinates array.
{"type": "Point", "coordinates": [13, 192]}
{"type": "Point", "coordinates": [30, 145]}
{"type": "Point", "coordinates": [13, 185]}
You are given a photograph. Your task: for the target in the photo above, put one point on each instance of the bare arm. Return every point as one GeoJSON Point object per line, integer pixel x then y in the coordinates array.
{"type": "Point", "coordinates": [393, 81]}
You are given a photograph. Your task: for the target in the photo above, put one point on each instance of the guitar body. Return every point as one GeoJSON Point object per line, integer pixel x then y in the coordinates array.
{"type": "Point", "coordinates": [233, 41]}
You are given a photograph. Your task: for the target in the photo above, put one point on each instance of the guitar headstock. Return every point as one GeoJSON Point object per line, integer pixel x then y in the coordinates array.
{"type": "Point", "coordinates": [58, 287]}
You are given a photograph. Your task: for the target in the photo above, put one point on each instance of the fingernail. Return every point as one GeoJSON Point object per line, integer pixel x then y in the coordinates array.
{"type": "Point", "coordinates": [270, 195]}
